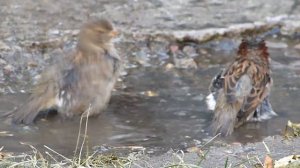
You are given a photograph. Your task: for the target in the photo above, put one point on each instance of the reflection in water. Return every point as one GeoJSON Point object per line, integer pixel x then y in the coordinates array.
{"type": "Point", "coordinates": [158, 109]}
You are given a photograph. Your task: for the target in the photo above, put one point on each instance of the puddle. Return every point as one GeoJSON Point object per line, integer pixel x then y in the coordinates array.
{"type": "Point", "coordinates": [174, 114]}
{"type": "Point", "coordinates": [161, 108]}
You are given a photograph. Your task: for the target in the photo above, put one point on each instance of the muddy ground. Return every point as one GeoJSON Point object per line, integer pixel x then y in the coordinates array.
{"type": "Point", "coordinates": [34, 34]}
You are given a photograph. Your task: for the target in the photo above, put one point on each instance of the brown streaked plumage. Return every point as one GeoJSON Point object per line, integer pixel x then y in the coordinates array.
{"type": "Point", "coordinates": [243, 88]}
{"type": "Point", "coordinates": [82, 79]}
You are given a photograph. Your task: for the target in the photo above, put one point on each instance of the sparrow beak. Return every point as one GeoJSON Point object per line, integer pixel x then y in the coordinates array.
{"type": "Point", "coordinates": [113, 33]}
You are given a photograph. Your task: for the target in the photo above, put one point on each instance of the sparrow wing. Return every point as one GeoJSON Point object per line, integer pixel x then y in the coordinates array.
{"type": "Point", "coordinates": [229, 98]}
{"type": "Point", "coordinates": [259, 91]}
{"type": "Point", "coordinates": [68, 88]}
{"type": "Point", "coordinates": [42, 99]}
{"type": "Point", "coordinates": [234, 82]}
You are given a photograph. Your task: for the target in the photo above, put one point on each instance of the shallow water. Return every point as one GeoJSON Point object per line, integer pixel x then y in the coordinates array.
{"type": "Point", "coordinates": [161, 108]}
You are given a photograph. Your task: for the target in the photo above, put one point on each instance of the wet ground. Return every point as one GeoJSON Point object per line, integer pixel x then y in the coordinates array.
{"type": "Point", "coordinates": [233, 155]}
{"type": "Point", "coordinates": [161, 108]}
{"type": "Point", "coordinates": [159, 102]}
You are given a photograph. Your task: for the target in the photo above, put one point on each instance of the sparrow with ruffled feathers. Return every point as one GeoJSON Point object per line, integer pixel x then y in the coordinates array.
{"type": "Point", "coordinates": [81, 80]}
{"type": "Point", "coordinates": [242, 89]}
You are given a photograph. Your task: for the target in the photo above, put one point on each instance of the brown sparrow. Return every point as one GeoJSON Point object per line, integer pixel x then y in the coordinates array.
{"type": "Point", "coordinates": [81, 80]}
{"type": "Point", "coordinates": [242, 90]}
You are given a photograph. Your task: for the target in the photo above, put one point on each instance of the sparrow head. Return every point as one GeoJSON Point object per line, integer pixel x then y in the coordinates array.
{"type": "Point", "coordinates": [96, 34]}
{"type": "Point", "coordinates": [254, 48]}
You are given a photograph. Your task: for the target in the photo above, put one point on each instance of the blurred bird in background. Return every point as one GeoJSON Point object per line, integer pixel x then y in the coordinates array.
{"type": "Point", "coordinates": [81, 80]}
{"type": "Point", "coordinates": [240, 93]}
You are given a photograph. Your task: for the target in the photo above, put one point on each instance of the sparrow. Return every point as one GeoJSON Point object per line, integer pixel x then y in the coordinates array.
{"type": "Point", "coordinates": [82, 80]}
{"type": "Point", "coordinates": [240, 93]}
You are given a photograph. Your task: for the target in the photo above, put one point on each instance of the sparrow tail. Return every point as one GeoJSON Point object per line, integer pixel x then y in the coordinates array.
{"type": "Point", "coordinates": [29, 112]}
{"type": "Point", "coordinates": [224, 117]}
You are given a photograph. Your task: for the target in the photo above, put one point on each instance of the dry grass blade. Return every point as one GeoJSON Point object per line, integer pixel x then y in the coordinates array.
{"type": "Point", "coordinates": [58, 154]}
{"type": "Point", "coordinates": [180, 163]}
{"type": "Point", "coordinates": [267, 148]}
{"type": "Point", "coordinates": [85, 131]}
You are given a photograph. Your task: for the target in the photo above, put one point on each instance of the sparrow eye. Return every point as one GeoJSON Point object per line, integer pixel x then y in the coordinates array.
{"type": "Point", "coordinates": [99, 30]}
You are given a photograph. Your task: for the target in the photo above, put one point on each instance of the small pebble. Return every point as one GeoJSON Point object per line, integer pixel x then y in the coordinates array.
{"type": "Point", "coordinates": [190, 51]}
{"type": "Point", "coordinates": [248, 136]}
{"type": "Point", "coordinates": [228, 151]}
{"type": "Point", "coordinates": [203, 51]}
{"type": "Point", "coordinates": [54, 32]}
{"type": "Point", "coordinates": [297, 46]}
{"type": "Point", "coordinates": [169, 66]}
{"type": "Point", "coordinates": [3, 46]}
{"type": "Point", "coordinates": [185, 63]}
{"type": "Point", "coordinates": [181, 113]}
{"type": "Point", "coordinates": [150, 152]}
{"type": "Point", "coordinates": [32, 64]}
{"type": "Point", "coordinates": [2, 62]}
{"type": "Point", "coordinates": [8, 69]}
